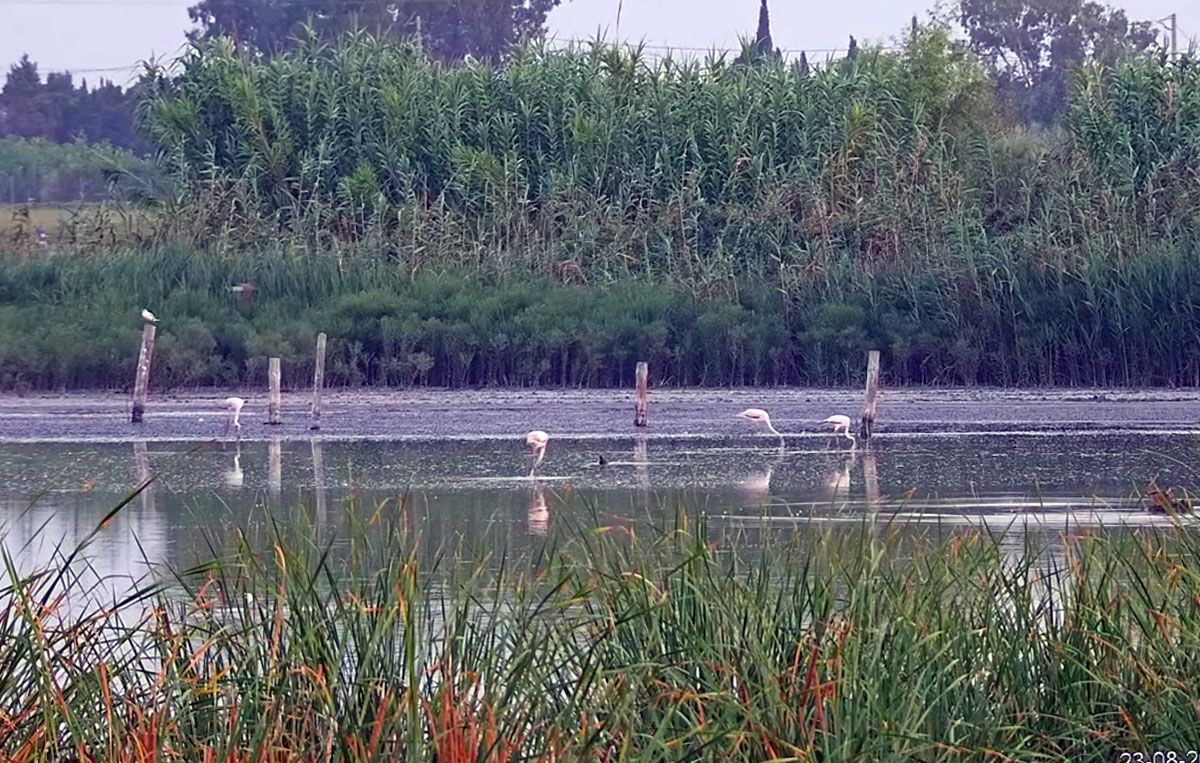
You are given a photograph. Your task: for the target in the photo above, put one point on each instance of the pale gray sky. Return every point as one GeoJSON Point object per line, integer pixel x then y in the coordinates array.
{"type": "Point", "coordinates": [85, 35]}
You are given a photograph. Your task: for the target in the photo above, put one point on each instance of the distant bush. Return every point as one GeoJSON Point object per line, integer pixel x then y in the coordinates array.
{"type": "Point", "coordinates": [46, 172]}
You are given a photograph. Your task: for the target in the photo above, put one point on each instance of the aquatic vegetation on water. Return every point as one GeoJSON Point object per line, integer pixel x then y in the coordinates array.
{"type": "Point", "coordinates": [613, 642]}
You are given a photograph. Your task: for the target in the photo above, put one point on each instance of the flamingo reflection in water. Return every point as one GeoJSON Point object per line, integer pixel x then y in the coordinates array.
{"type": "Point", "coordinates": [837, 482]}
{"type": "Point", "coordinates": [234, 477]}
{"type": "Point", "coordinates": [756, 488]}
{"type": "Point", "coordinates": [538, 519]}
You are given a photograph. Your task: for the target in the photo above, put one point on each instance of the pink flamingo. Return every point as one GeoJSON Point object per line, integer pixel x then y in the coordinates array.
{"type": "Point", "coordinates": [842, 424]}
{"type": "Point", "coordinates": [759, 416]}
{"type": "Point", "coordinates": [537, 440]}
{"type": "Point", "coordinates": [234, 405]}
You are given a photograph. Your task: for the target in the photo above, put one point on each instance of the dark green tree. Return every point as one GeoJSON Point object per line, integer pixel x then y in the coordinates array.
{"type": "Point", "coordinates": [762, 39]}
{"type": "Point", "coordinates": [449, 29]}
{"type": "Point", "coordinates": [59, 111]}
{"type": "Point", "coordinates": [1032, 46]}
{"type": "Point", "coordinates": [106, 115]}
{"type": "Point", "coordinates": [60, 106]}
{"type": "Point", "coordinates": [20, 110]}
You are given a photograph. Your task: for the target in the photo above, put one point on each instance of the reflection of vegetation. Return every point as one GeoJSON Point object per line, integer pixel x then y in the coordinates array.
{"type": "Point", "coordinates": [616, 645]}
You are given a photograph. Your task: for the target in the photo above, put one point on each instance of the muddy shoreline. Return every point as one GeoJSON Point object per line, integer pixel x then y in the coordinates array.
{"type": "Point", "coordinates": [436, 413]}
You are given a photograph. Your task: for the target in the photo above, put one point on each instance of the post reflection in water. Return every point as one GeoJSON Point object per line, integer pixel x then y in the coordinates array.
{"type": "Point", "coordinates": [320, 498]}
{"type": "Point", "coordinates": [871, 477]}
{"type": "Point", "coordinates": [141, 461]}
{"type": "Point", "coordinates": [641, 467]}
{"type": "Point", "coordinates": [641, 461]}
{"type": "Point", "coordinates": [275, 476]}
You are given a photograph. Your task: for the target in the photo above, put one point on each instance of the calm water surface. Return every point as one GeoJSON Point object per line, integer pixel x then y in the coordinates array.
{"type": "Point", "coordinates": [476, 489]}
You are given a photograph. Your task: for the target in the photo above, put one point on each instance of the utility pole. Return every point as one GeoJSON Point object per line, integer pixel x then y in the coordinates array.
{"type": "Point", "coordinates": [1171, 23]}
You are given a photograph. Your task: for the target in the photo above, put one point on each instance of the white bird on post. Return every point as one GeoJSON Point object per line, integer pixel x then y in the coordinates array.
{"type": "Point", "coordinates": [148, 316]}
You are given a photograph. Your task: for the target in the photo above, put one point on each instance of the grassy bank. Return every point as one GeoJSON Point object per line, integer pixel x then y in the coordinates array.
{"type": "Point", "coordinates": [663, 645]}
{"type": "Point", "coordinates": [71, 320]}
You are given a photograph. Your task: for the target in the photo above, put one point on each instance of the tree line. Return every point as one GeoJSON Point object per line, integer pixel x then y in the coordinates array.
{"type": "Point", "coordinates": [58, 110]}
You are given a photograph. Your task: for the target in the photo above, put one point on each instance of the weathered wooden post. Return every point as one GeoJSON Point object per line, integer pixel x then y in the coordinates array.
{"type": "Point", "coordinates": [141, 384]}
{"type": "Point", "coordinates": [868, 414]}
{"type": "Point", "coordinates": [641, 401]}
{"type": "Point", "coordinates": [274, 406]}
{"type": "Point", "coordinates": [314, 414]}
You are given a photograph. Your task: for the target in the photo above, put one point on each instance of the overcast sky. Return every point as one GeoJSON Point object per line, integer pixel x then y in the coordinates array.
{"type": "Point", "coordinates": [87, 35]}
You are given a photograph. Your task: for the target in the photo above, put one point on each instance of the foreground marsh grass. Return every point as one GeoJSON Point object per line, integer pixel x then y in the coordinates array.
{"type": "Point", "coordinates": [612, 644]}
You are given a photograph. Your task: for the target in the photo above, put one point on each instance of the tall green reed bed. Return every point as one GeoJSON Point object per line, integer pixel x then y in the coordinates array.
{"type": "Point", "coordinates": [614, 644]}
{"type": "Point", "coordinates": [561, 216]}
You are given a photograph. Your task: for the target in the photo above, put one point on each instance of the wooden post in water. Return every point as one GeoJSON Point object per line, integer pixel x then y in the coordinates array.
{"type": "Point", "coordinates": [314, 414]}
{"type": "Point", "coordinates": [274, 406]}
{"type": "Point", "coordinates": [641, 401]}
{"type": "Point", "coordinates": [141, 384]}
{"type": "Point", "coordinates": [868, 414]}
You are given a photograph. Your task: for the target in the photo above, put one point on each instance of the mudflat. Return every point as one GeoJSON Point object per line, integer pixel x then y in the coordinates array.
{"type": "Point", "coordinates": [491, 413]}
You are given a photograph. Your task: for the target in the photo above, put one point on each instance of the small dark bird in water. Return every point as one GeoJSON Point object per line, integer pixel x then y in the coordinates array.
{"type": "Point", "coordinates": [1162, 502]}
{"type": "Point", "coordinates": [603, 461]}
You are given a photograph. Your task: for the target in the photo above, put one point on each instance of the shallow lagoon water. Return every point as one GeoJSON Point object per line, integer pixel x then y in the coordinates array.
{"type": "Point", "coordinates": [476, 489]}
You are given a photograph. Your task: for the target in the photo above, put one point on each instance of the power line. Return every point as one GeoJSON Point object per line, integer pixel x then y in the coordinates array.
{"type": "Point", "coordinates": [663, 48]}
{"type": "Point", "coordinates": [563, 43]}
